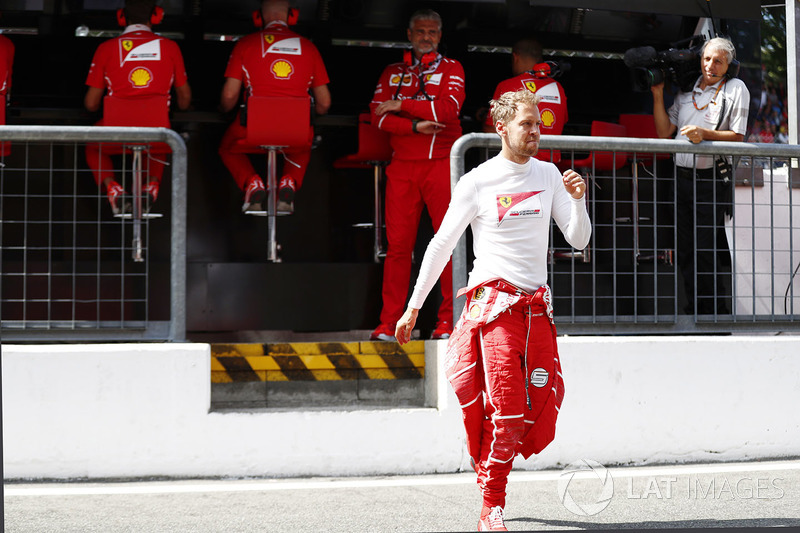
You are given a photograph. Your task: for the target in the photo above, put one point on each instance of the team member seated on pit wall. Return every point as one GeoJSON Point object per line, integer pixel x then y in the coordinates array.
{"type": "Point", "coordinates": [137, 64]}
{"type": "Point", "coordinates": [502, 359]}
{"type": "Point", "coordinates": [6, 67]}
{"type": "Point", "coordinates": [715, 110]}
{"type": "Point", "coordinates": [417, 101]}
{"type": "Point", "coordinates": [274, 61]}
{"type": "Point", "coordinates": [532, 73]}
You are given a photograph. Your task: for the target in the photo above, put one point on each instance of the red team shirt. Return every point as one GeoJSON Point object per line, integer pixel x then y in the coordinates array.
{"type": "Point", "coordinates": [553, 106]}
{"type": "Point", "coordinates": [276, 62]}
{"type": "Point", "coordinates": [444, 84]}
{"type": "Point", "coordinates": [137, 63]}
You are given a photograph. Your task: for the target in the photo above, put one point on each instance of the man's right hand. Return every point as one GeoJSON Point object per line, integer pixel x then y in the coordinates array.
{"type": "Point", "coordinates": [429, 127]}
{"type": "Point", "coordinates": [406, 325]}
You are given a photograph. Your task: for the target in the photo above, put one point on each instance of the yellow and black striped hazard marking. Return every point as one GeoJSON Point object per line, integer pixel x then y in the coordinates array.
{"type": "Point", "coordinates": [314, 361]}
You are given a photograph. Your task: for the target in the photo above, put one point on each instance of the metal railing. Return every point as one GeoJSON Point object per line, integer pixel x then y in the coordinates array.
{"type": "Point", "coordinates": [628, 279]}
{"type": "Point", "coordinates": [71, 270]}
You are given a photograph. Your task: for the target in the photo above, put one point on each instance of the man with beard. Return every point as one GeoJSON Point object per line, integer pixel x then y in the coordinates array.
{"type": "Point", "coordinates": [502, 358]}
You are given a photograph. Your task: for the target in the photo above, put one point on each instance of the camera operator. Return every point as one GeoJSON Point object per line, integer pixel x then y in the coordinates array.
{"type": "Point", "coordinates": [714, 110]}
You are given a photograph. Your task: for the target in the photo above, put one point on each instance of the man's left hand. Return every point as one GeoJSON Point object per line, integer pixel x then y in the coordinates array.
{"type": "Point", "coordinates": [574, 184]}
{"type": "Point", "coordinates": [389, 106]}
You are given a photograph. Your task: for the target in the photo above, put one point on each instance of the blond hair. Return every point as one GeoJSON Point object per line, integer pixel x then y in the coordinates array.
{"type": "Point", "coordinates": [506, 106]}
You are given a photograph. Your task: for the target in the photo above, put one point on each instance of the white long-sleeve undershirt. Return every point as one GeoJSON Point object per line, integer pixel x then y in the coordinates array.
{"type": "Point", "coordinates": [508, 206]}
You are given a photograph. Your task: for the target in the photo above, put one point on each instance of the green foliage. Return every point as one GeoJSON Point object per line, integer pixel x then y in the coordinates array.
{"type": "Point", "coordinates": [773, 44]}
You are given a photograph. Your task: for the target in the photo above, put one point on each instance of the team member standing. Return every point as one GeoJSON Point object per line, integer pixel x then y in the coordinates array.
{"type": "Point", "coordinates": [137, 64]}
{"type": "Point", "coordinates": [503, 359]}
{"type": "Point", "coordinates": [714, 110]}
{"type": "Point", "coordinates": [275, 61]}
{"type": "Point", "coordinates": [418, 102]}
{"type": "Point", "coordinates": [532, 73]}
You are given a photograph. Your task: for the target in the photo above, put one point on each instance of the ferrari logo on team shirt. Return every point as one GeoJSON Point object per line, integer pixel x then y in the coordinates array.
{"type": "Point", "coordinates": [480, 292]}
{"type": "Point", "coordinates": [274, 45]}
{"type": "Point", "coordinates": [148, 51]}
{"type": "Point", "coordinates": [548, 118]}
{"type": "Point", "coordinates": [434, 79]}
{"type": "Point", "coordinates": [282, 69]}
{"type": "Point", "coordinates": [531, 86]}
{"type": "Point", "coordinates": [140, 77]}
{"type": "Point", "coordinates": [507, 202]}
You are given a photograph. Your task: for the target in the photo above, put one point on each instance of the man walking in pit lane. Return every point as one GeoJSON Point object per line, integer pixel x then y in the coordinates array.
{"type": "Point", "coordinates": [502, 359]}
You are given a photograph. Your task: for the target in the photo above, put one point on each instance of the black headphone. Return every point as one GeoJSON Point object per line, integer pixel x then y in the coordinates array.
{"type": "Point", "coordinates": [156, 17]}
{"type": "Point", "coordinates": [258, 19]}
{"type": "Point", "coordinates": [733, 69]}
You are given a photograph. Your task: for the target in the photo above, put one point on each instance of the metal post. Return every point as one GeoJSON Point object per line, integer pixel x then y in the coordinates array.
{"type": "Point", "coordinates": [137, 203]}
{"type": "Point", "coordinates": [793, 77]}
{"type": "Point", "coordinates": [378, 239]}
{"type": "Point", "coordinates": [272, 205]}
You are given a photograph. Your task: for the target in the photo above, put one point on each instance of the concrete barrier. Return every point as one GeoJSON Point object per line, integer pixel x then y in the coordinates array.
{"type": "Point", "coordinates": [100, 411]}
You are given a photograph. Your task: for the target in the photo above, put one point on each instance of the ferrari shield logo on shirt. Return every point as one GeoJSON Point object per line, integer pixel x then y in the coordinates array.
{"type": "Point", "coordinates": [480, 292]}
{"type": "Point", "coordinates": [518, 205]}
{"type": "Point", "coordinates": [149, 51]}
{"type": "Point", "coordinates": [269, 38]}
{"type": "Point", "coordinates": [282, 69]}
{"type": "Point", "coordinates": [530, 85]}
{"type": "Point", "coordinates": [140, 77]}
{"type": "Point", "coordinates": [548, 118]}
{"type": "Point", "coordinates": [290, 46]}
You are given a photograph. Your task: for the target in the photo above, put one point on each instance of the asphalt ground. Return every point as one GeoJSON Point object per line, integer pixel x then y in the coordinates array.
{"type": "Point", "coordinates": [582, 496]}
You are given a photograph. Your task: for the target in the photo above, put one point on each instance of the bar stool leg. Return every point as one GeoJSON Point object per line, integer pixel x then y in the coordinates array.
{"type": "Point", "coordinates": [137, 204]}
{"type": "Point", "coordinates": [378, 221]}
{"type": "Point", "coordinates": [272, 205]}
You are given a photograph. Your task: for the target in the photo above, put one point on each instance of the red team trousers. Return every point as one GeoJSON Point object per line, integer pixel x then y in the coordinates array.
{"type": "Point", "coordinates": [241, 168]}
{"type": "Point", "coordinates": [503, 353]}
{"type": "Point", "coordinates": [410, 186]}
{"type": "Point", "coordinates": [98, 159]}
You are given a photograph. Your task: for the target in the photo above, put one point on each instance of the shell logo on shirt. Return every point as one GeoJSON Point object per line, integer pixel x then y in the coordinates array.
{"type": "Point", "coordinates": [506, 203]}
{"type": "Point", "coordinates": [531, 86]}
{"type": "Point", "coordinates": [282, 69]}
{"type": "Point", "coordinates": [140, 77]}
{"type": "Point", "coordinates": [548, 118]}
{"type": "Point", "coordinates": [475, 311]}
{"type": "Point", "coordinates": [397, 79]}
